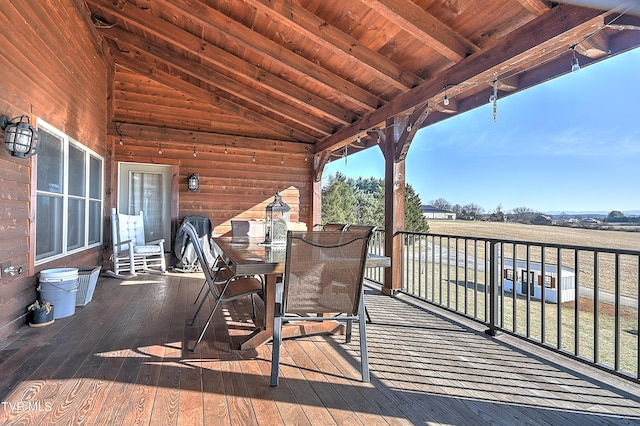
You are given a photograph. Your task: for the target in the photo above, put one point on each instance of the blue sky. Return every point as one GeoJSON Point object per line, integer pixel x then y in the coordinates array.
{"type": "Point", "coordinates": [570, 144]}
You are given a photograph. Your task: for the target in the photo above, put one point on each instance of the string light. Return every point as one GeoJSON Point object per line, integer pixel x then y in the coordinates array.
{"type": "Point", "coordinates": [159, 149]}
{"type": "Point", "coordinates": [306, 154]}
{"type": "Point", "coordinates": [254, 157]}
{"type": "Point", "coordinates": [494, 98]}
{"type": "Point", "coordinates": [194, 151]}
{"type": "Point", "coordinates": [575, 65]}
{"type": "Point", "coordinates": [120, 133]}
{"type": "Point", "coordinates": [282, 160]}
{"type": "Point", "coordinates": [446, 97]}
{"type": "Point", "coordinates": [225, 149]}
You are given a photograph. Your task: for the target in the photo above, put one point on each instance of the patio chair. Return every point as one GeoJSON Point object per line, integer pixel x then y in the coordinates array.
{"type": "Point", "coordinates": [240, 230]}
{"type": "Point", "coordinates": [334, 227]}
{"type": "Point", "coordinates": [323, 275]}
{"type": "Point", "coordinates": [186, 260]}
{"type": "Point", "coordinates": [225, 290]}
{"type": "Point", "coordinates": [131, 253]}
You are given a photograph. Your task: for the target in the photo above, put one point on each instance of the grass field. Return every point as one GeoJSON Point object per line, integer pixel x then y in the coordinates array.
{"type": "Point", "coordinates": [588, 334]}
{"type": "Point", "coordinates": [538, 233]}
{"type": "Point", "coordinates": [561, 235]}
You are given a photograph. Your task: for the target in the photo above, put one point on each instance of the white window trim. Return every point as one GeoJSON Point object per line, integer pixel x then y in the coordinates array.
{"type": "Point", "coordinates": [67, 140]}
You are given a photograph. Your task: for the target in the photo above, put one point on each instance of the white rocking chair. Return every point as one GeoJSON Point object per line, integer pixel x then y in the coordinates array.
{"type": "Point", "coordinates": [131, 254]}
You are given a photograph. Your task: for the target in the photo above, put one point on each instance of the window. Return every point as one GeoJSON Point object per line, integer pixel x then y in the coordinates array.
{"type": "Point", "coordinates": [69, 196]}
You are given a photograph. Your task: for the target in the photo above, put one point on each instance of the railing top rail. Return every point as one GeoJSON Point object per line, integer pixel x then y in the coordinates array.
{"type": "Point", "coordinates": [531, 243]}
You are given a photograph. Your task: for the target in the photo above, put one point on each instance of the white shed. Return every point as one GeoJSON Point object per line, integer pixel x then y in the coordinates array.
{"type": "Point", "coordinates": [530, 280]}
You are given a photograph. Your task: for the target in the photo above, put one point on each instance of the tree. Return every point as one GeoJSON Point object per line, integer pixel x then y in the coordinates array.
{"type": "Point", "coordinates": [523, 214]}
{"type": "Point", "coordinates": [361, 201]}
{"type": "Point", "coordinates": [442, 204]}
{"type": "Point", "coordinates": [414, 220]}
{"type": "Point", "coordinates": [338, 200]}
{"type": "Point", "coordinates": [616, 216]}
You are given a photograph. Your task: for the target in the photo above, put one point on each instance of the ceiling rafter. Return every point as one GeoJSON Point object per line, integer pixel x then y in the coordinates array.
{"type": "Point", "coordinates": [536, 7]}
{"type": "Point", "coordinates": [557, 21]}
{"type": "Point", "coordinates": [413, 19]}
{"type": "Point", "coordinates": [176, 83]}
{"type": "Point", "coordinates": [248, 73]}
{"type": "Point", "coordinates": [339, 43]}
{"type": "Point", "coordinates": [293, 63]}
{"type": "Point", "coordinates": [255, 101]}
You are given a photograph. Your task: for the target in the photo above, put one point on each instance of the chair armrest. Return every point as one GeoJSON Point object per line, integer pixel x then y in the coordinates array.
{"type": "Point", "coordinates": [161, 240]}
{"type": "Point", "coordinates": [120, 244]}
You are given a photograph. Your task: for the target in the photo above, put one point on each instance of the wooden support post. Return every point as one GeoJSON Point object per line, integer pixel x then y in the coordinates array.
{"type": "Point", "coordinates": [394, 189]}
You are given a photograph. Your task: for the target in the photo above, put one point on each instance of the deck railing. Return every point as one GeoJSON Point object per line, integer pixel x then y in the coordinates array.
{"type": "Point", "coordinates": [590, 294]}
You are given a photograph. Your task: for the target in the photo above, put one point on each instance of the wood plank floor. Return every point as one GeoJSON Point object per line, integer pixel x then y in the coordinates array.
{"type": "Point", "coordinates": [123, 359]}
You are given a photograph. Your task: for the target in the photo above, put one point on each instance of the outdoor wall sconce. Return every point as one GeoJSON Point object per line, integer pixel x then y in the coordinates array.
{"type": "Point", "coordinates": [20, 137]}
{"type": "Point", "coordinates": [278, 214]}
{"type": "Point", "coordinates": [194, 182]}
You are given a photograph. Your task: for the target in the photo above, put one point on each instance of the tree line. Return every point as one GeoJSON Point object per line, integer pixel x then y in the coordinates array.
{"type": "Point", "coordinates": [518, 214]}
{"type": "Point", "coordinates": [361, 201]}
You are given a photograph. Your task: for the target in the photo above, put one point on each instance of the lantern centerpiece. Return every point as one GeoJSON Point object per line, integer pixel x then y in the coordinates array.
{"type": "Point", "coordinates": [278, 214]}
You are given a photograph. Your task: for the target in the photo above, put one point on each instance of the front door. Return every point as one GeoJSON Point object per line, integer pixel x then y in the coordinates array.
{"type": "Point", "coordinates": [147, 188]}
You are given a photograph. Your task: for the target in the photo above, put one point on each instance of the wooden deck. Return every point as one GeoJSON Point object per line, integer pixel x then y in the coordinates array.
{"type": "Point", "coordinates": [122, 359]}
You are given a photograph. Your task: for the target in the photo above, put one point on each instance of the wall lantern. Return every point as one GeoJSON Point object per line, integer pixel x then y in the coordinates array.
{"type": "Point", "coordinates": [277, 222]}
{"type": "Point", "coordinates": [20, 137]}
{"type": "Point", "coordinates": [194, 182]}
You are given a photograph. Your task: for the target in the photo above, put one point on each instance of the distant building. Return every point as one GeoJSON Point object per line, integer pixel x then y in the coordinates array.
{"type": "Point", "coordinates": [431, 212]}
{"type": "Point", "coordinates": [558, 286]}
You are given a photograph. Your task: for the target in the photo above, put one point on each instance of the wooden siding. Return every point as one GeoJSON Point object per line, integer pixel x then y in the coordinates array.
{"type": "Point", "coordinates": [54, 70]}
{"type": "Point", "coordinates": [237, 184]}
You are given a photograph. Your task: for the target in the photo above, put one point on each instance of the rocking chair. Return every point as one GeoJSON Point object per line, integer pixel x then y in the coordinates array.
{"type": "Point", "coordinates": [131, 253]}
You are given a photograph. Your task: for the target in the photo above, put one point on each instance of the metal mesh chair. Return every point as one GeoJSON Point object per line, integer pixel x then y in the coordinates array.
{"type": "Point", "coordinates": [232, 288]}
{"type": "Point", "coordinates": [334, 227]}
{"type": "Point", "coordinates": [323, 275]}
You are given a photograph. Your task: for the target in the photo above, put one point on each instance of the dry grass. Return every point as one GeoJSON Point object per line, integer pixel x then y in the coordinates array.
{"type": "Point", "coordinates": [538, 233]}
{"type": "Point", "coordinates": [605, 277]}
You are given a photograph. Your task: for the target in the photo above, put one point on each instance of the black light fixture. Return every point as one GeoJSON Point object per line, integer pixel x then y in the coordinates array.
{"type": "Point", "coordinates": [20, 137]}
{"type": "Point", "coordinates": [194, 182]}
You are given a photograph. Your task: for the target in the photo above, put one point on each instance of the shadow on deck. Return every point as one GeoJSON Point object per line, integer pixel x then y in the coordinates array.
{"type": "Point", "coordinates": [123, 358]}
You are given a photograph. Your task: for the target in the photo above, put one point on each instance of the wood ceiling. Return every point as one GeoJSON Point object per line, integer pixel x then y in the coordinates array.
{"type": "Point", "coordinates": [324, 74]}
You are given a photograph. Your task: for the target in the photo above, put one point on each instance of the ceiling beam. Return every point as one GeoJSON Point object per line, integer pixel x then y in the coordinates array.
{"type": "Point", "coordinates": [554, 23]}
{"type": "Point", "coordinates": [256, 101]}
{"type": "Point", "coordinates": [433, 33]}
{"type": "Point", "coordinates": [221, 141]}
{"type": "Point", "coordinates": [537, 7]}
{"type": "Point", "coordinates": [333, 86]}
{"type": "Point", "coordinates": [337, 42]}
{"type": "Point", "coordinates": [241, 70]}
{"type": "Point", "coordinates": [152, 72]}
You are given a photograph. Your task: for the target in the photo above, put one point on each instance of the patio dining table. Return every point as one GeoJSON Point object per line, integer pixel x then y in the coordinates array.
{"type": "Point", "coordinates": [247, 256]}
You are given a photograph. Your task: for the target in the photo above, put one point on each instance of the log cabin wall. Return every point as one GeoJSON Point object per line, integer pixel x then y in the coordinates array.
{"type": "Point", "coordinates": [237, 180]}
{"type": "Point", "coordinates": [52, 69]}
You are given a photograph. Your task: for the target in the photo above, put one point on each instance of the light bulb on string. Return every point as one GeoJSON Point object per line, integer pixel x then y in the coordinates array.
{"type": "Point", "coordinates": [446, 97]}
{"type": "Point", "coordinates": [225, 149]}
{"type": "Point", "coordinates": [194, 151]}
{"type": "Point", "coordinates": [494, 98]}
{"type": "Point", "coordinates": [159, 149]}
{"type": "Point", "coordinates": [575, 65]}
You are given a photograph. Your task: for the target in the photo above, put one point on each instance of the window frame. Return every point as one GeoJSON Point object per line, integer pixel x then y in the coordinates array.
{"type": "Point", "coordinates": [66, 196]}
